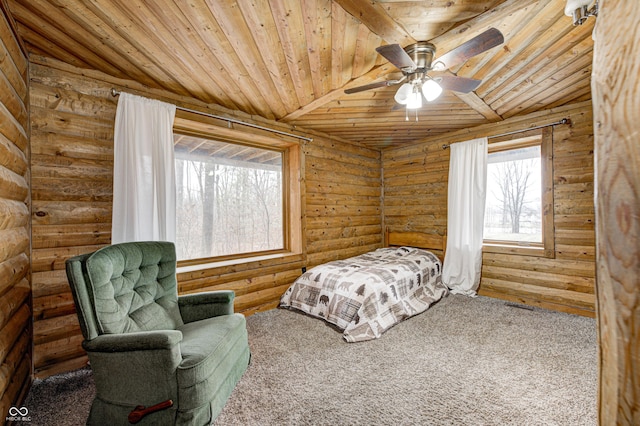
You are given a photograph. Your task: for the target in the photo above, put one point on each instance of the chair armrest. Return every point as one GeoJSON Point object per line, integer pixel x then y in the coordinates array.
{"type": "Point", "coordinates": [138, 368]}
{"type": "Point", "coordinates": [198, 306]}
{"type": "Point", "coordinates": [139, 341]}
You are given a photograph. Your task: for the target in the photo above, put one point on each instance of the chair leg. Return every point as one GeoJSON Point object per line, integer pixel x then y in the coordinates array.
{"type": "Point", "coordinates": [140, 411]}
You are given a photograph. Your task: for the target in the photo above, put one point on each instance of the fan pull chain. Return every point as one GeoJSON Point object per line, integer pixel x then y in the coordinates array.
{"type": "Point", "coordinates": [406, 114]}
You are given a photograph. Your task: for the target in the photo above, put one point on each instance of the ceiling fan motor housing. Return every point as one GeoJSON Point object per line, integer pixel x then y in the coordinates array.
{"type": "Point", "coordinates": [422, 54]}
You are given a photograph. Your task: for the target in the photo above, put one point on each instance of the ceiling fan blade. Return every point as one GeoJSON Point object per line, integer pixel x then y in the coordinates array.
{"type": "Point", "coordinates": [480, 43]}
{"type": "Point", "coordinates": [458, 84]}
{"type": "Point", "coordinates": [396, 55]}
{"type": "Point", "coordinates": [371, 86]}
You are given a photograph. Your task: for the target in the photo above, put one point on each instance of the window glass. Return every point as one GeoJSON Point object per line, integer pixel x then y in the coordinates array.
{"type": "Point", "coordinates": [229, 199]}
{"type": "Point", "coordinates": [513, 211]}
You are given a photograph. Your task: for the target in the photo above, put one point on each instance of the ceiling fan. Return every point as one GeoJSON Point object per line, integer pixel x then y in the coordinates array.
{"type": "Point", "coordinates": [416, 60]}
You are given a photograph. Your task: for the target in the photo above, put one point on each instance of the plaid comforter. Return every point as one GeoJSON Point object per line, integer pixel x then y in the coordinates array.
{"type": "Point", "coordinates": [367, 294]}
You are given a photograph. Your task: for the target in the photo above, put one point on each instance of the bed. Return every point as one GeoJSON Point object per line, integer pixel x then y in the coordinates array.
{"type": "Point", "coordinates": [367, 294]}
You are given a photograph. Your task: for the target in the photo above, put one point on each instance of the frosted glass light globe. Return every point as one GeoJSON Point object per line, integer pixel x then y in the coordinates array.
{"type": "Point", "coordinates": [431, 90]}
{"type": "Point", "coordinates": [402, 95]}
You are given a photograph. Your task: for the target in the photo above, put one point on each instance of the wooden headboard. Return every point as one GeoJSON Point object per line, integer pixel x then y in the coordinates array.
{"type": "Point", "coordinates": [435, 242]}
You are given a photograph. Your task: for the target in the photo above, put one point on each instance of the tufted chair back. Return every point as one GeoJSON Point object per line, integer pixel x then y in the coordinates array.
{"type": "Point", "coordinates": [128, 287]}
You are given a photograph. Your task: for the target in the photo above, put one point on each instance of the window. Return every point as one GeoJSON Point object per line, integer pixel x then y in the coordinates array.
{"type": "Point", "coordinates": [519, 206]}
{"type": "Point", "coordinates": [229, 198]}
{"type": "Point", "coordinates": [513, 207]}
{"type": "Point", "coordinates": [238, 194]}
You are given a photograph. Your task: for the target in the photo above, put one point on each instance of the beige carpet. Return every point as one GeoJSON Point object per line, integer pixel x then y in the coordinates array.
{"type": "Point", "coordinates": [464, 362]}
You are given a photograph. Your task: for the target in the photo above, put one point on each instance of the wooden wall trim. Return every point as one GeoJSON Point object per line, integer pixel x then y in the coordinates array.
{"type": "Point", "coordinates": [4, 7]}
{"type": "Point", "coordinates": [16, 329]}
{"type": "Point", "coordinates": [616, 102]}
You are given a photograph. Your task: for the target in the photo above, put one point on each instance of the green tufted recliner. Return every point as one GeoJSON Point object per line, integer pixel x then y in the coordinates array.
{"type": "Point", "coordinates": [146, 345]}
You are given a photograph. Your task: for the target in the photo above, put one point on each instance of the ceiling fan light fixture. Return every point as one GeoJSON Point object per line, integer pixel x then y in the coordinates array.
{"type": "Point", "coordinates": [402, 94]}
{"type": "Point", "coordinates": [580, 10]}
{"type": "Point", "coordinates": [416, 60]}
{"type": "Point", "coordinates": [431, 90]}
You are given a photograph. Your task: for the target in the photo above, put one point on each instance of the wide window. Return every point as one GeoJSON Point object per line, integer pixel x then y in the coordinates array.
{"type": "Point", "coordinates": [239, 194]}
{"type": "Point", "coordinates": [229, 198]}
{"type": "Point", "coordinates": [519, 207]}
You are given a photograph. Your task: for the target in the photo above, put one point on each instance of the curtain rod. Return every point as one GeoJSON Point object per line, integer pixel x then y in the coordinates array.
{"type": "Point", "coordinates": [115, 92]}
{"type": "Point", "coordinates": [563, 121]}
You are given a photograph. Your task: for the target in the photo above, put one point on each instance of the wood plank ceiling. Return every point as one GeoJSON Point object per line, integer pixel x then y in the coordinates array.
{"type": "Point", "coordinates": [290, 60]}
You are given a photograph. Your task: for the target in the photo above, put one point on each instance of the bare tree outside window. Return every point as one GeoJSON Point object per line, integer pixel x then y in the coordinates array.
{"type": "Point", "coordinates": [230, 199]}
{"type": "Point", "coordinates": [513, 206]}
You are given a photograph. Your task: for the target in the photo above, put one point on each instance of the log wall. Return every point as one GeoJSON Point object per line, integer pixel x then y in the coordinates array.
{"type": "Point", "coordinates": [415, 199]}
{"type": "Point", "coordinates": [15, 280]}
{"type": "Point", "coordinates": [616, 105]}
{"type": "Point", "coordinates": [72, 142]}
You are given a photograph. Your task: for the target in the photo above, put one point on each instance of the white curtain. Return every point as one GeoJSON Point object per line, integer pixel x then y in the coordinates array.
{"type": "Point", "coordinates": [465, 216]}
{"type": "Point", "coordinates": [144, 188]}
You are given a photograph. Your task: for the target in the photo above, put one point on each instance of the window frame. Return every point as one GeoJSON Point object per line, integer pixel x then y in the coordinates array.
{"type": "Point", "coordinates": [191, 124]}
{"type": "Point", "coordinates": [543, 138]}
